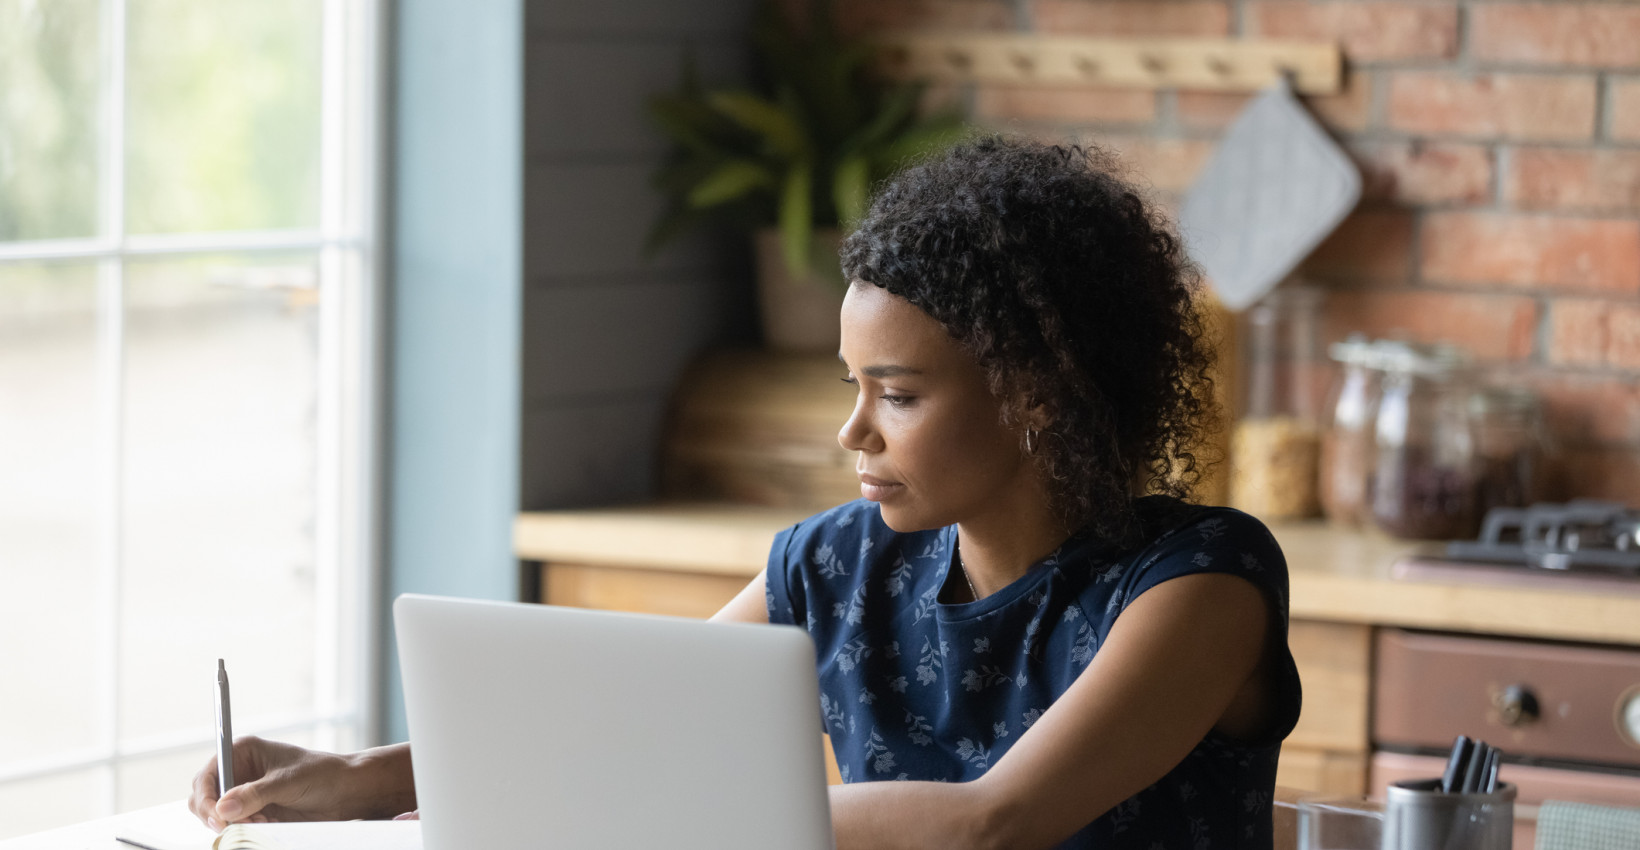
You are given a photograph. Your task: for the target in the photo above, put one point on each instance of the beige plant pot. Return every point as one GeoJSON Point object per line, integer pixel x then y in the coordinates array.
{"type": "Point", "coordinates": [799, 314]}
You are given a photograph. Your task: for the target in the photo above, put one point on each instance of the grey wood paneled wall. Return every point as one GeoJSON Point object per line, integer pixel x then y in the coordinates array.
{"type": "Point", "coordinates": [607, 331]}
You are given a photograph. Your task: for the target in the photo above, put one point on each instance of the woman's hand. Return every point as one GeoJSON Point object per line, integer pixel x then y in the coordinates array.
{"type": "Point", "coordinates": [284, 782]}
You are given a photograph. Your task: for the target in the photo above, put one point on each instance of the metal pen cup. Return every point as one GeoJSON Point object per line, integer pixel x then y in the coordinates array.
{"type": "Point", "coordinates": [1419, 816]}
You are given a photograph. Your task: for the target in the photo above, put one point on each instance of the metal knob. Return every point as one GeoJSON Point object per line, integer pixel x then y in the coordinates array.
{"type": "Point", "coordinates": [1517, 705]}
{"type": "Point", "coordinates": [1629, 721]}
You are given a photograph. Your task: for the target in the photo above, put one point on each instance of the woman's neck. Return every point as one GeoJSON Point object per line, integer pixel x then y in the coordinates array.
{"type": "Point", "coordinates": [1001, 547]}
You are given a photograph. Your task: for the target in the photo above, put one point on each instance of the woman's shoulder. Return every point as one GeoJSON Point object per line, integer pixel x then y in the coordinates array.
{"type": "Point", "coordinates": [852, 527]}
{"type": "Point", "coordinates": [826, 562]}
{"type": "Point", "coordinates": [1181, 538]}
{"type": "Point", "coordinates": [1191, 539]}
{"type": "Point", "coordinates": [858, 519]}
{"type": "Point", "coordinates": [1171, 523]}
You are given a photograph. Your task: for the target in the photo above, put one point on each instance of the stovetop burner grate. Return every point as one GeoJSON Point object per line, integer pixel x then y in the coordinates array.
{"type": "Point", "coordinates": [1583, 534]}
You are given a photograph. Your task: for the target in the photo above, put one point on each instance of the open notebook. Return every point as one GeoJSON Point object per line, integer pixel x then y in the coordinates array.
{"type": "Point", "coordinates": [335, 835]}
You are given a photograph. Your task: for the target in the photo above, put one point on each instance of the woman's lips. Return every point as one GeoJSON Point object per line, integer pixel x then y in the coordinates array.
{"type": "Point", "coordinates": [876, 489]}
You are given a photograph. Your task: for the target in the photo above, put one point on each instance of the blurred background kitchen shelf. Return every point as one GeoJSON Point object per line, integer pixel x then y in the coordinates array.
{"type": "Point", "coordinates": [1499, 145]}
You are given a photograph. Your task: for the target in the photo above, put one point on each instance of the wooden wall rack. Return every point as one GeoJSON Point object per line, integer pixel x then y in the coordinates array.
{"type": "Point", "coordinates": [1152, 63]}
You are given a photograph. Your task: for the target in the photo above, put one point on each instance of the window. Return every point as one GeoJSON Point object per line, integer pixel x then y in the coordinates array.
{"type": "Point", "coordinates": [187, 388]}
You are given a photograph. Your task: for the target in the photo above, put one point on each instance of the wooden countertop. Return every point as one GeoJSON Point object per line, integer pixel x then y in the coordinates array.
{"type": "Point", "coordinates": [1336, 575]}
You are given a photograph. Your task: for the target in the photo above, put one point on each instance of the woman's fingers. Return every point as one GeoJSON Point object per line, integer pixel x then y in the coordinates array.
{"type": "Point", "coordinates": [243, 801]}
{"type": "Point", "coordinates": [258, 764]}
{"type": "Point", "coordinates": [202, 801]}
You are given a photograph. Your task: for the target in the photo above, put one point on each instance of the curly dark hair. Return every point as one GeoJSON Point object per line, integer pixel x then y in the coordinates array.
{"type": "Point", "coordinates": [1073, 296]}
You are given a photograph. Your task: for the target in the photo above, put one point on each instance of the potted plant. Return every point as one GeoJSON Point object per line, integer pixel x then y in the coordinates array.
{"type": "Point", "coordinates": [791, 160]}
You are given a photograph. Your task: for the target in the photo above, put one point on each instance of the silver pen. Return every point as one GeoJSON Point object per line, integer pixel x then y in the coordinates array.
{"type": "Point", "coordinates": [224, 732]}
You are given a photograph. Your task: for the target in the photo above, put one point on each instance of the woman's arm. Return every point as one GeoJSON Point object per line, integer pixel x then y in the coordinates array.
{"type": "Point", "coordinates": [750, 605]}
{"type": "Point", "coordinates": [1172, 666]}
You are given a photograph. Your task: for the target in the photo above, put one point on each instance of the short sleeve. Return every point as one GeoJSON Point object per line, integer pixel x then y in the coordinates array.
{"type": "Point", "coordinates": [782, 591]}
{"type": "Point", "coordinates": [1224, 540]}
{"type": "Point", "coordinates": [824, 550]}
{"type": "Point", "coordinates": [1216, 540]}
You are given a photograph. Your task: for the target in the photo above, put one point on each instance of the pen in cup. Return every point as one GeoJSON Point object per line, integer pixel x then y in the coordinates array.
{"type": "Point", "coordinates": [1472, 768]}
{"type": "Point", "coordinates": [1474, 772]}
{"type": "Point", "coordinates": [224, 732]}
{"type": "Point", "coordinates": [1452, 778]}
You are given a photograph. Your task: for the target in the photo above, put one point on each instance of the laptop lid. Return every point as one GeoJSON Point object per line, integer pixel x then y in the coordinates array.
{"type": "Point", "coordinates": [542, 726]}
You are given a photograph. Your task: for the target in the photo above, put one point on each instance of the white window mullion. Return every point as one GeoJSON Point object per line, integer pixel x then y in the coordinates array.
{"type": "Point", "coordinates": [328, 467]}
{"type": "Point", "coordinates": [111, 389]}
{"type": "Point", "coordinates": [60, 249]}
{"type": "Point", "coordinates": [176, 244]}
{"type": "Point", "coordinates": [111, 400]}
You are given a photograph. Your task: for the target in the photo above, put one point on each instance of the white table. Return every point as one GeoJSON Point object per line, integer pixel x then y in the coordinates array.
{"type": "Point", "coordinates": [171, 824]}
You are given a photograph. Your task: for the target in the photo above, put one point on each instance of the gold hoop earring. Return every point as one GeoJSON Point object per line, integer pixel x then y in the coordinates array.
{"type": "Point", "coordinates": [1030, 441]}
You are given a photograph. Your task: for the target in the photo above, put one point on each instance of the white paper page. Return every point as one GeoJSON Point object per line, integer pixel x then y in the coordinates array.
{"type": "Point", "coordinates": [174, 828]}
{"type": "Point", "coordinates": [335, 835]}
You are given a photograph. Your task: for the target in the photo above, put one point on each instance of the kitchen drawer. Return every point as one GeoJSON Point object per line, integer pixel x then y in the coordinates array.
{"type": "Point", "coordinates": [1335, 665]}
{"type": "Point", "coordinates": [644, 591]}
{"type": "Point", "coordinates": [1549, 701]}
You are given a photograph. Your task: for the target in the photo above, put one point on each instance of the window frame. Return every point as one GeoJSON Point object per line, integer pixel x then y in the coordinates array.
{"type": "Point", "coordinates": [350, 389]}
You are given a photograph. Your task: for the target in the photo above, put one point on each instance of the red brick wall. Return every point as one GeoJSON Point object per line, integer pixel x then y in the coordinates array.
{"type": "Point", "coordinates": [1500, 143]}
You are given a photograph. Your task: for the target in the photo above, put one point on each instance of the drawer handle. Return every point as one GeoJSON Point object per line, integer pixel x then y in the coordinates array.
{"type": "Point", "coordinates": [1516, 705]}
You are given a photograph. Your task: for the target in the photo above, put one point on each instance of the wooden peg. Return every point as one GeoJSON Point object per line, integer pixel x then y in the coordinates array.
{"type": "Point", "coordinates": [1287, 74]}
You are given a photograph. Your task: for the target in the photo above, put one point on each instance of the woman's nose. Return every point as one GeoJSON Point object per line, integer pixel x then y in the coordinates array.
{"type": "Point", "coordinates": [857, 434]}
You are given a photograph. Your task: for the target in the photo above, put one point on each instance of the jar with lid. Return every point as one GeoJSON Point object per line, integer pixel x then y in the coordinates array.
{"type": "Point", "coordinates": [1512, 443]}
{"type": "Point", "coordinates": [1276, 442]}
{"type": "Point", "coordinates": [1347, 444]}
{"type": "Point", "coordinates": [1424, 468]}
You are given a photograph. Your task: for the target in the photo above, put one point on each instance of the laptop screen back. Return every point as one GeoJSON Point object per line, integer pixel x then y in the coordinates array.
{"type": "Point", "coordinates": [540, 726]}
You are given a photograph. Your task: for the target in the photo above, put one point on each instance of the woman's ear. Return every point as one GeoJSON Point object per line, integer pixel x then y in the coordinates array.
{"type": "Point", "coordinates": [1038, 415]}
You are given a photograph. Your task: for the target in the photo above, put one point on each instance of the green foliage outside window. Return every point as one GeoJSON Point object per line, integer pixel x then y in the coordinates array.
{"type": "Point", "coordinates": [221, 122]}
{"type": "Point", "coordinates": [48, 118]}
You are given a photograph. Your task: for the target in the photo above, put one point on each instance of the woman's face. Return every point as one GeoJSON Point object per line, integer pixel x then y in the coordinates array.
{"type": "Point", "coordinates": [929, 441]}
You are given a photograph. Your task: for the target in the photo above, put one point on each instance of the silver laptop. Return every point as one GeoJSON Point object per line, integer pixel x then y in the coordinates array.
{"type": "Point", "coordinates": [541, 726]}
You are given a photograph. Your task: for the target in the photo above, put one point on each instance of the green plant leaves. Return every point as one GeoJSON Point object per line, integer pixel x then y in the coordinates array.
{"type": "Point", "coordinates": [780, 130]}
{"type": "Point", "coordinates": [922, 140]}
{"type": "Point", "coordinates": [797, 217]}
{"type": "Point", "coordinates": [799, 150]}
{"type": "Point", "coordinates": [851, 188]}
{"type": "Point", "coordinates": [730, 181]}
{"type": "Point", "coordinates": [687, 123]}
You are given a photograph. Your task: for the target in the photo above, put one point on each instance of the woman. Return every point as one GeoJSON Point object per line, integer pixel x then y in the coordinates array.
{"type": "Point", "coordinates": [1022, 620]}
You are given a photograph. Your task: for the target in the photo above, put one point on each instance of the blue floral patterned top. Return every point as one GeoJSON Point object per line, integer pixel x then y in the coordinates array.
{"type": "Point", "coordinates": [913, 688]}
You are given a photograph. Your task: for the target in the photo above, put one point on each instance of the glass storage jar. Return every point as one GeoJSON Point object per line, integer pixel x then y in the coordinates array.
{"type": "Point", "coordinates": [1347, 443]}
{"type": "Point", "coordinates": [1424, 469]}
{"type": "Point", "coordinates": [1276, 441]}
{"type": "Point", "coordinates": [1512, 444]}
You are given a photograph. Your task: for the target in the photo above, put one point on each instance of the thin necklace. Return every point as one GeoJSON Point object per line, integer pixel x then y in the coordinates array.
{"type": "Point", "coordinates": [964, 567]}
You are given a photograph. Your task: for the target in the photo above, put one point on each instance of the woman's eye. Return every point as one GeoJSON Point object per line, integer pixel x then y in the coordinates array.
{"type": "Point", "coordinates": [899, 400]}
{"type": "Point", "coordinates": [849, 380]}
